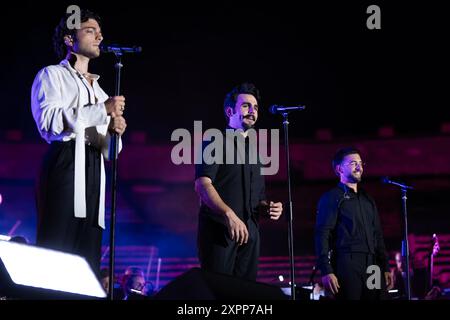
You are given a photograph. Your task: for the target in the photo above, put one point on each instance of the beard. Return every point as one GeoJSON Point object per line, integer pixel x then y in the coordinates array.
{"type": "Point", "coordinates": [246, 125]}
{"type": "Point", "coordinates": [354, 178]}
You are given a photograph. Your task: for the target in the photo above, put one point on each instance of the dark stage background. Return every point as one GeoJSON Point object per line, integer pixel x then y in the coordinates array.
{"type": "Point", "coordinates": [384, 91]}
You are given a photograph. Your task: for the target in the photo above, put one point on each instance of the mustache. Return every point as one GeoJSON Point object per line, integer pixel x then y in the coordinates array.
{"type": "Point", "coordinates": [249, 116]}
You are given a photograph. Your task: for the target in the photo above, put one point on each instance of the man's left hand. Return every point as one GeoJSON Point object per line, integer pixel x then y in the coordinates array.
{"type": "Point", "coordinates": [117, 124]}
{"type": "Point", "coordinates": [275, 210]}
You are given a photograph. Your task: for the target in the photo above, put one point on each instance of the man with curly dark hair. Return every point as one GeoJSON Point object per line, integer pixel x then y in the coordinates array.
{"type": "Point", "coordinates": [76, 117]}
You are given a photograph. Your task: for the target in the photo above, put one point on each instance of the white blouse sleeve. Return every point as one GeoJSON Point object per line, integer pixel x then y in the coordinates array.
{"type": "Point", "coordinates": [52, 110]}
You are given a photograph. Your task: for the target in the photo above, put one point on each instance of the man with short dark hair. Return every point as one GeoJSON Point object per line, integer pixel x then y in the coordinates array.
{"type": "Point", "coordinates": [75, 116]}
{"type": "Point", "coordinates": [348, 235]}
{"type": "Point", "coordinates": [233, 196]}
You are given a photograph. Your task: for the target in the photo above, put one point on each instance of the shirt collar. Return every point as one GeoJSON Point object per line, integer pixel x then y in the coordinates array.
{"type": "Point", "coordinates": [346, 189]}
{"type": "Point", "coordinates": [65, 63]}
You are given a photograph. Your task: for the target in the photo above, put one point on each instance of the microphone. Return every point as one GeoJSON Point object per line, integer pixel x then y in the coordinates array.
{"type": "Point", "coordinates": [114, 48]}
{"type": "Point", "coordinates": [282, 109]}
{"type": "Point", "coordinates": [398, 184]}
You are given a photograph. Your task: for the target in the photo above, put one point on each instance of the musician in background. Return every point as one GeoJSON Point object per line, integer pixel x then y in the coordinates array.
{"type": "Point", "coordinates": [433, 284]}
{"type": "Point", "coordinates": [104, 279]}
{"type": "Point", "coordinates": [398, 275]}
{"type": "Point", "coordinates": [133, 284]}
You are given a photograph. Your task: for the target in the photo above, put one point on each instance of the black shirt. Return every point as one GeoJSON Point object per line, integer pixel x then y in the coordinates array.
{"type": "Point", "coordinates": [240, 185]}
{"type": "Point", "coordinates": [348, 222]}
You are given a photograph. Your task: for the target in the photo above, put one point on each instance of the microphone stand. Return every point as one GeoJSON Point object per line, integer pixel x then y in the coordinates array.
{"type": "Point", "coordinates": [114, 153]}
{"type": "Point", "coordinates": [405, 246]}
{"type": "Point", "coordinates": [289, 217]}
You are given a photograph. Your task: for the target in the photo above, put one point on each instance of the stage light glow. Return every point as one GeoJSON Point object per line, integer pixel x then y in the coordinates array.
{"type": "Point", "coordinates": [49, 269]}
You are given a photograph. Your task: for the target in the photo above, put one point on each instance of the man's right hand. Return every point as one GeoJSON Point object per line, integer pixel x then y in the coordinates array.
{"type": "Point", "coordinates": [115, 106]}
{"type": "Point", "coordinates": [330, 282]}
{"type": "Point", "coordinates": [236, 228]}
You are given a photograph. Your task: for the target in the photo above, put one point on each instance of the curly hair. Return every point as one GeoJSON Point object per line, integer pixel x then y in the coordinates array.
{"type": "Point", "coordinates": [62, 30]}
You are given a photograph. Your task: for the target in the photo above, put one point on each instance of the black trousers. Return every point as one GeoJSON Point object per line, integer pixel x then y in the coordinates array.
{"type": "Point", "coordinates": [218, 253]}
{"type": "Point", "coordinates": [57, 226]}
{"type": "Point", "coordinates": [351, 272]}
